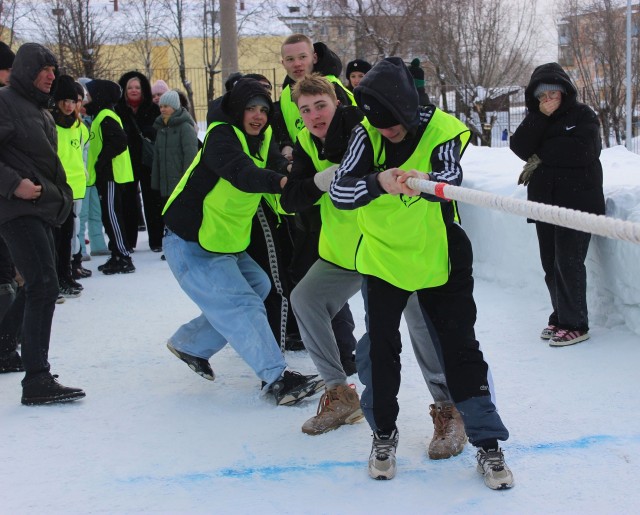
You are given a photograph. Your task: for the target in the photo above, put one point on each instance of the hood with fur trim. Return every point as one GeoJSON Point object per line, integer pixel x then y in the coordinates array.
{"type": "Point", "coordinates": [391, 84]}
{"type": "Point", "coordinates": [147, 97]}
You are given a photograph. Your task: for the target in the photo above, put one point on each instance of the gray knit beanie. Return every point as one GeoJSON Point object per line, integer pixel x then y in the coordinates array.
{"type": "Point", "coordinates": [548, 87]}
{"type": "Point", "coordinates": [171, 99]}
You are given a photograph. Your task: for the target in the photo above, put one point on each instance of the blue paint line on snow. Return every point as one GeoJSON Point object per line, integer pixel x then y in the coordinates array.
{"type": "Point", "coordinates": [274, 471]}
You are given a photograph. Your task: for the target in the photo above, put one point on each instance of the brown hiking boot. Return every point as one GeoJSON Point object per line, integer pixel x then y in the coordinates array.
{"type": "Point", "coordinates": [338, 406]}
{"type": "Point", "coordinates": [449, 435]}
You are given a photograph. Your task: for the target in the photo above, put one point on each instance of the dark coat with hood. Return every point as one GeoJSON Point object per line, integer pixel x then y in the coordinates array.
{"type": "Point", "coordinates": [28, 143]}
{"type": "Point", "coordinates": [144, 117]}
{"type": "Point", "coordinates": [176, 146]}
{"type": "Point", "coordinates": [223, 157]}
{"type": "Point", "coordinates": [568, 143]}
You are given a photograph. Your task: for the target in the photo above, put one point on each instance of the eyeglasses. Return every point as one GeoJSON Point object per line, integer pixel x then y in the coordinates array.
{"type": "Point", "coordinates": [549, 95]}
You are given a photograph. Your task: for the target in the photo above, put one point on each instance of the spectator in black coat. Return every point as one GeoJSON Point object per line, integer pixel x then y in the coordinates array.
{"type": "Point", "coordinates": [560, 140]}
{"type": "Point", "coordinates": [138, 113]}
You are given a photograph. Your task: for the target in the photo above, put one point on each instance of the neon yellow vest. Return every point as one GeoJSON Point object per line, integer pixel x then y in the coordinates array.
{"type": "Point", "coordinates": [122, 168]}
{"type": "Point", "coordinates": [226, 211]}
{"type": "Point", "coordinates": [291, 114]}
{"type": "Point", "coordinates": [404, 238]}
{"type": "Point", "coordinates": [70, 144]}
{"type": "Point", "coordinates": [339, 234]}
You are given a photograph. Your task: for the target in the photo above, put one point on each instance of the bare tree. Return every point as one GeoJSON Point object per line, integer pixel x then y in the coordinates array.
{"type": "Point", "coordinates": [482, 48]}
{"type": "Point", "coordinates": [594, 33]}
{"type": "Point", "coordinates": [180, 14]}
{"type": "Point", "coordinates": [11, 11]}
{"type": "Point", "coordinates": [78, 32]}
{"type": "Point", "coordinates": [144, 18]}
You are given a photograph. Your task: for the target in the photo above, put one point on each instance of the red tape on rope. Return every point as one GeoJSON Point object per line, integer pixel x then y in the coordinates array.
{"type": "Point", "coordinates": [439, 191]}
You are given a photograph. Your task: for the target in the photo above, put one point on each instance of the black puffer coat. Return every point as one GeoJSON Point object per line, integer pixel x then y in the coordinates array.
{"type": "Point", "coordinates": [568, 143]}
{"type": "Point", "coordinates": [144, 117]}
{"type": "Point", "coordinates": [28, 143]}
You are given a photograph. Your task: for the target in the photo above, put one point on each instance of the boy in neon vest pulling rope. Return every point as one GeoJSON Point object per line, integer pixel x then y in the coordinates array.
{"type": "Point", "coordinates": [412, 243]}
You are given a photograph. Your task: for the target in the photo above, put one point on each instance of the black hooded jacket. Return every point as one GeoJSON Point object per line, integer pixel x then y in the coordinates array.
{"type": "Point", "coordinates": [222, 156]}
{"type": "Point", "coordinates": [104, 95]}
{"type": "Point", "coordinates": [144, 117]}
{"type": "Point", "coordinates": [568, 143]}
{"type": "Point", "coordinates": [29, 142]}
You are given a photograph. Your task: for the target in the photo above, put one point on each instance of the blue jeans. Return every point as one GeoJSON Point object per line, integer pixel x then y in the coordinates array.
{"type": "Point", "coordinates": [30, 242]}
{"type": "Point", "coordinates": [229, 289]}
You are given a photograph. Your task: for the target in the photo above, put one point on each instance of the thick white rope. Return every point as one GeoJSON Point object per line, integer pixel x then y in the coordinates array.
{"type": "Point", "coordinates": [586, 222]}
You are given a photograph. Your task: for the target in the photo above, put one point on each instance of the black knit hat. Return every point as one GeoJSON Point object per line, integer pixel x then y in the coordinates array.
{"type": "Point", "coordinates": [6, 56]}
{"type": "Point", "coordinates": [65, 88]}
{"type": "Point", "coordinates": [357, 65]}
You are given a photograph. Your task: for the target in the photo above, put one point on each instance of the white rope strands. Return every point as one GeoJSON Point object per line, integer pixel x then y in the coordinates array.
{"type": "Point", "coordinates": [570, 218]}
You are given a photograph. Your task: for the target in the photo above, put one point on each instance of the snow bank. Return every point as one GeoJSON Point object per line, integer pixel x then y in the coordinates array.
{"type": "Point", "coordinates": [506, 249]}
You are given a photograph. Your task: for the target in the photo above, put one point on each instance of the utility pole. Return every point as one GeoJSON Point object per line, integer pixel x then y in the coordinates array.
{"type": "Point", "coordinates": [228, 38]}
{"type": "Point", "coordinates": [58, 13]}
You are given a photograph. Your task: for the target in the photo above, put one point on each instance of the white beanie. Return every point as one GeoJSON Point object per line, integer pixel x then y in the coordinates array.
{"type": "Point", "coordinates": [171, 99]}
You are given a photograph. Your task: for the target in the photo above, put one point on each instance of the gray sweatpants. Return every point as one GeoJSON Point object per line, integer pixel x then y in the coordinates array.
{"type": "Point", "coordinates": [316, 299]}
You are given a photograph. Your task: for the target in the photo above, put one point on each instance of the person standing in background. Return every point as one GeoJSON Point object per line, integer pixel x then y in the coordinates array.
{"type": "Point", "coordinates": [560, 140]}
{"type": "Point", "coordinates": [138, 113]}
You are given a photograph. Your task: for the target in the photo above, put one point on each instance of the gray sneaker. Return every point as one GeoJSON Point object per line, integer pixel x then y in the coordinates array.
{"type": "Point", "coordinates": [382, 460]}
{"type": "Point", "coordinates": [492, 466]}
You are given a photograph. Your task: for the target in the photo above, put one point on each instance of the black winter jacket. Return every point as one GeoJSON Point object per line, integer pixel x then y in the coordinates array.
{"type": "Point", "coordinates": [144, 117]}
{"type": "Point", "coordinates": [568, 143]}
{"type": "Point", "coordinates": [223, 157]}
{"type": "Point", "coordinates": [29, 142]}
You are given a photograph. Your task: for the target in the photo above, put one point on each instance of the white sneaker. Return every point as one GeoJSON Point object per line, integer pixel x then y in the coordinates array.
{"type": "Point", "coordinates": [382, 460]}
{"type": "Point", "coordinates": [491, 465]}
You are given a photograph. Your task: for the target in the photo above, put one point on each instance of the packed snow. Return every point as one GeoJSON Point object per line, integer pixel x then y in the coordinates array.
{"type": "Point", "coordinates": [152, 436]}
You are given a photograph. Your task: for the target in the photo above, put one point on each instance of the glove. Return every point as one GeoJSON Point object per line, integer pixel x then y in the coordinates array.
{"type": "Point", "coordinates": [528, 169]}
{"type": "Point", "coordinates": [323, 179]}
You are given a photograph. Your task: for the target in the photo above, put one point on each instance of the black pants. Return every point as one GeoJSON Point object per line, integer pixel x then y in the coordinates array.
{"type": "Point", "coordinates": [450, 310]}
{"type": "Point", "coordinates": [152, 205]}
{"type": "Point", "coordinates": [266, 249]}
{"type": "Point", "coordinates": [110, 193]}
{"type": "Point", "coordinates": [63, 235]}
{"type": "Point", "coordinates": [563, 253]}
{"type": "Point", "coordinates": [30, 241]}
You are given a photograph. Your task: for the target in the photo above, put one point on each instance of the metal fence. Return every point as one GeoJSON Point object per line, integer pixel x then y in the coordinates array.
{"type": "Point", "coordinates": [505, 120]}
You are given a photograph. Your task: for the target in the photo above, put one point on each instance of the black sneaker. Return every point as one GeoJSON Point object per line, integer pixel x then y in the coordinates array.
{"type": "Point", "coordinates": [110, 262]}
{"type": "Point", "coordinates": [68, 291]}
{"type": "Point", "coordinates": [292, 387]}
{"type": "Point", "coordinates": [11, 362]}
{"type": "Point", "coordinates": [199, 365]}
{"type": "Point", "coordinates": [45, 389]}
{"type": "Point", "coordinates": [80, 272]}
{"type": "Point", "coordinates": [119, 265]}
{"type": "Point", "coordinates": [75, 284]}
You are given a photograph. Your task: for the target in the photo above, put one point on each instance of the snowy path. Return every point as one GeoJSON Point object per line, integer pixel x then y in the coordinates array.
{"type": "Point", "coordinates": [151, 436]}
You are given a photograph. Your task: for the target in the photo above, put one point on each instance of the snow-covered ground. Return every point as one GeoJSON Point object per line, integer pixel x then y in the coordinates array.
{"type": "Point", "coordinates": [151, 436]}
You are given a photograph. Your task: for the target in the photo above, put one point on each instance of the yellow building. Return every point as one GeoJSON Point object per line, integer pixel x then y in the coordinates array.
{"type": "Point", "coordinates": [256, 54]}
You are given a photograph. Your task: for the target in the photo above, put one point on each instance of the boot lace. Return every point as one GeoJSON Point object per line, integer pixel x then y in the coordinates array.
{"type": "Point", "coordinates": [491, 459]}
{"type": "Point", "coordinates": [441, 418]}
